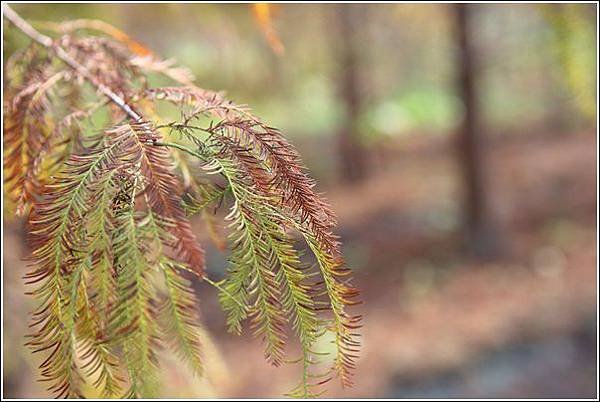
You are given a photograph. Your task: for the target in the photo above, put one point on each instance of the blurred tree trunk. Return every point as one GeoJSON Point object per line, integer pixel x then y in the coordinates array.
{"type": "Point", "coordinates": [480, 235]}
{"type": "Point", "coordinates": [351, 150]}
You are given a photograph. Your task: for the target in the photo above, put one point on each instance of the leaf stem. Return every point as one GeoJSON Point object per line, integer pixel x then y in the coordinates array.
{"type": "Point", "coordinates": [222, 289]}
{"type": "Point", "coordinates": [180, 147]}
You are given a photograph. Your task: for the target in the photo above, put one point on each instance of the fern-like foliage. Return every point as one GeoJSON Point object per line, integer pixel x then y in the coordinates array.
{"type": "Point", "coordinates": [114, 254]}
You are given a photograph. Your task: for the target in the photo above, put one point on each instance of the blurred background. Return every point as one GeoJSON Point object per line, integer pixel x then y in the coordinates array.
{"type": "Point", "coordinates": [457, 144]}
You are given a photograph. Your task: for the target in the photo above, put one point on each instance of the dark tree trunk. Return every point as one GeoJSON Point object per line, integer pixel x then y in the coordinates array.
{"type": "Point", "coordinates": [481, 237]}
{"type": "Point", "coordinates": [351, 151]}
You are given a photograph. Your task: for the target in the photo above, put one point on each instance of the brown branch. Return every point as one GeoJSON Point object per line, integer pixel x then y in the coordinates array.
{"type": "Point", "coordinates": [46, 41]}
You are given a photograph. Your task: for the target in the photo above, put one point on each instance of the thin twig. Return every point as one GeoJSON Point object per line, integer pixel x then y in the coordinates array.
{"type": "Point", "coordinates": [218, 286]}
{"type": "Point", "coordinates": [46, 41]}
{"type": "Point", "coordinates": [179, 147]}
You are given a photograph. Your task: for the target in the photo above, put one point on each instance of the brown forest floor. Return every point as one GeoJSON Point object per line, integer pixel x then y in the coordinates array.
{"type": "Point", "coordinates": [429, 309]}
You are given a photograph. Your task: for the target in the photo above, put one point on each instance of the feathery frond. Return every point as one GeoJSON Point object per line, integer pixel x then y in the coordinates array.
{"type": "Point", "coordinates": [114, 254]}
{"type": "Point", "coordinates": [60, 244]}
{"type": "Point", "coordinates": [180, 316]}
{"type": "Point", "coordinates": [27, 123]}
{"type": "Point", "coordinates": [133, 319]}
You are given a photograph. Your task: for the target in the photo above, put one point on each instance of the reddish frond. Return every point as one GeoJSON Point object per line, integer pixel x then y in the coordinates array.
{"type": "Point", "coordinates": [64, 132]}
{"type": "Point", "coordinates": [26, 124]}
{"type": "Point", "coordinates": [285, 165]}
{"type": "Point", "coordinates": [287, 175]}
{"type": "Point", "coordinates": [164, 193]}
{"type": "Point", "coordinates": [140, 56]}
{"type": "Point", "coordinates": [254, 168]}
{"type": "Point", "coordinates": [105, 59]}
{"type": "Point", "coordinates": [68, 27]}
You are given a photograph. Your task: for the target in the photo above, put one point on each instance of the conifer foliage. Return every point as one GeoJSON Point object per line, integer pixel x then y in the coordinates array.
{"type": "Point", "coordinates": [113, 251]}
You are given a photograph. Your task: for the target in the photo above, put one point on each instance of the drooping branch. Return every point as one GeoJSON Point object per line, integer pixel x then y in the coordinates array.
{"type": "Point", "coordinates": [112, 216]}
{"type": "Point", "coordinates": [47, 42]}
